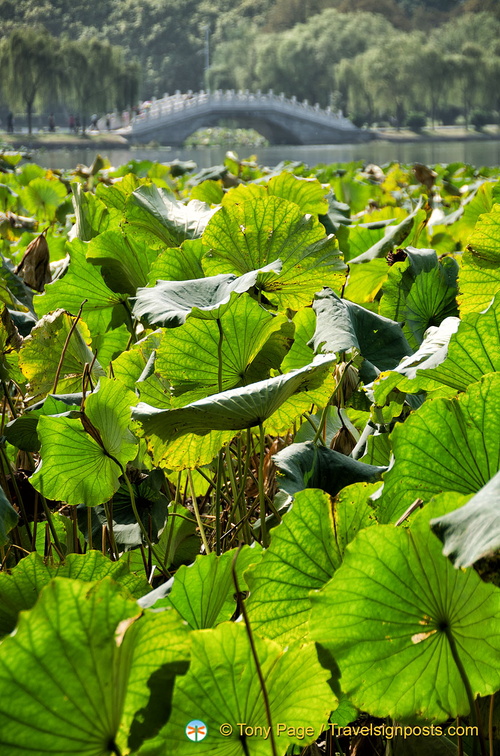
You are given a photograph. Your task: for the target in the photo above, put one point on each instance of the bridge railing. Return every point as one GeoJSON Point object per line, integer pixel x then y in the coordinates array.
{"type": "Point", "coordinates": [179, 102]}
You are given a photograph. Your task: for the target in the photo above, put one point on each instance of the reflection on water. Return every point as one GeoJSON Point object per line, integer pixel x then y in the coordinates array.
{"type": "Point", "coordinates": [477, 153]}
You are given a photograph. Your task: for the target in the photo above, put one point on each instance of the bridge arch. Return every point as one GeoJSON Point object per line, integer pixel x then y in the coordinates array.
{"type": "Point", "coordinates": [172, 119]}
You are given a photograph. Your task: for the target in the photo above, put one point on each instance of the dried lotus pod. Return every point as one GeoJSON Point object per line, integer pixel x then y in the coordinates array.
{"type": "Point", "coordinates": [34, 268]}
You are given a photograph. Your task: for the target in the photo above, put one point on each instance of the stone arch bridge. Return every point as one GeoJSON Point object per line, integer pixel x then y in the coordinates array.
{"type": "Point", "coordinates": [173, 118]}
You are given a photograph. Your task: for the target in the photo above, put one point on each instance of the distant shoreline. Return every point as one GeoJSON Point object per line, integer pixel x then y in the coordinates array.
{"type": "Point", "coordinates": [106, 141]}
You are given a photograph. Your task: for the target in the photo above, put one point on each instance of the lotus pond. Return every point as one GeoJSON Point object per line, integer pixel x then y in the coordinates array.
{"type": "Point", "coordinates": [249, 459]}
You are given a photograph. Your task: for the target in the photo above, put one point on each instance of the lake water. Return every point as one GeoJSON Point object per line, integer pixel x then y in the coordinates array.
{"type": "Point", "coordinates": [478, 153]}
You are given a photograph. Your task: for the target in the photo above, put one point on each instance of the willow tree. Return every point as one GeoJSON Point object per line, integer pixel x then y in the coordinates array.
{"type": "Point", "coordinates": [31, 68]}
{"type": "Point", "coordinates": [98, 77]}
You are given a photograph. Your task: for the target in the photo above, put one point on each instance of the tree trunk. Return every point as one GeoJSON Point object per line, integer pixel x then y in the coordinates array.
{"type": "Point", "coordinates": [29, 113]}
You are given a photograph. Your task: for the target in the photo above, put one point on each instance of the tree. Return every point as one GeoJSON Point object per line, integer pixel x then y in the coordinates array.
{"type": "Point", "coordinates": [97, 77]}
{"type": "Point", "coordinates": [31, 68]}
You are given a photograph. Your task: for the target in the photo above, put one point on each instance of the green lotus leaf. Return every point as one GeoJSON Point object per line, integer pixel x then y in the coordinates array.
{"type": "Point", "coordinates": [156, 217]}
{"type": "Point", "coordinates": [421, 292]}
{"type": "Point", "coordinates": [109, 345]}
{"type": "Point", "coordinates": [300, 353]}
{"type": "Point", "coordinates": [188, 355]}
{"type": "Point", "coordinates": [71, 679]}
{"type": "Point", "coordinates": [234, 409]}
{"type": "Point", "coordinates": [8, 517]}
{"type": "Point", "coordinates": [170, 303]}
{"type": "Point", "coordinates": [394, 236]}
{"type": "Point", "coordinates": [478, 283]}
{"type": "Point", "coordinates": [306, 465]}
{"type": "Point", "coordinates": [77, 468]}
{"type": "Point", "coordinates": [124, 261]}
{"type": "Point", "coordinates": [341, 325]}
{"type": "Point", "coordinates": [187, 452]}
{"type": "Point", "coordinates": [365, 281]}
{"type": "Point", "coordinates": [410, 374]}
{"type": "Point", "coordinates": [42, 197]}
{"type": "Point", "coordinates": [393, 616]}
{"type": "Point", "coordinates": [473, 351]}
{"type": "Point", "coordinates": [307, 193]}
{"type": "Point", "coordinates": [41, 351]}
{"type": "Point", "coordinates": [114, 197]}
{"type": "Point", "coordinates": [250, 235]}
{"type": "Point", "coordinates": [204, 593]}
{"type": "Point", "coordinates": [129, 366]}
{"type": "Point", "coordinates": [473, 530]}
{"type": "Point", "coordinates": [447, 445]}
{"type": "Point", "coordinates": [22, 432]}
{"type": "Point", "coordinates": [104, 308]}
{"type": "Point", "coordinates": [92, 216]}
{"type": "Point", "coordinates": [208, 191]}
{"type": "Point", "coordinates": [178, 264]}
{"type": "Point", "coordinates": [479, 278]}
{"type": "Point", "coordinates": [484, 242]}
{"type": "Point", "coordinates": [222, 685]}
{"type": "Point", "coordinates": [306, 549]}
{"type": "Point", "coordinates": [20, 588]}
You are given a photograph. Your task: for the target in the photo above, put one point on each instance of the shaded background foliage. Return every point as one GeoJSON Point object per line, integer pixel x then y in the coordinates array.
{"type": "Point", "coordinates": [375, 59]}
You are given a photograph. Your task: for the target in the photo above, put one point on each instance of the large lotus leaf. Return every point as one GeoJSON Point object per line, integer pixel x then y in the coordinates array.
{"type": "Point", "coordinates": [420, 292]}
{"type": "Point", "coordinates": [124, 261]}
{"type": "Point", "coordinates": [250, 235]}
{"type": "Point", "coordinates": [387, 616]}
{"type": "Point", "coordinates": [307, 193]}
{"type": "Point", "coordinates": [484, 242]}
{"type": "Point", "coordinates": [22, 431]}
{"type": "Point", "coordinates": [394, 236]}
{"type": "Point", "coordinates": [129, 366]}
{"type": "Point", "coordinates": [188, 355]}
{"type": "Point", "coordinates": [222, 686]}
{"type": "Point", "coordinates": [69, 679]}
{"type": "Point", "coordinates": [170, 303]}
{"type": "Point", "coordinates": [478, 283]}
{"type": "Point", "coordinates": [92, 216]}
{"type": "Point", "coordinates": [300, 353]}
{"type": "Point", "coordinates": [74, 466]}
{"type": "Point", "coordinates": [447, 445]}
{"type": "Point", "coordinates": [8, 517]}
{"type": "Point", "coordinates": [479, 278]}
{"type": "Point", "coordinates": [473, 530]}
{"type": "Point", "coordinates": [42, 196]}
{"type": "Point", "coordinates": [41, 351]}
{"type": "Point", "coordinates": [341, 325]}
{"type": "Point", "coordinates": [208, 191]}
{"type": "Point", "coordinates": [365, 281]}
{"type": "Point", "coordinates": [309, 466]}
{"type": "Point", "coordinates": [306, 549]}
{"type": "Point", "coordinates": [178, 264]}
{"type": "Point", "coordinates": [410, 374]}
{"type": "Point", "coordinates": [107, 346]}
{"type": "Point", "coordinates": [83, 281]}
{"type": "Point", "coordinates": [187, 452]}
{"type": "Point", "coordinates": [156, 217]}
{"type": "Point", "coordinates": [234, 409]}
{"type": "Point", "coordinates": [20, 588]}
{"type": "Point", "coordinates": [204, 593]}
{"type": "Point", "coordinates": [473, 351]}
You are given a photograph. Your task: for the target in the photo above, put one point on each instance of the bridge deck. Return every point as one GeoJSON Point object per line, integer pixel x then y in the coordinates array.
{"type": "Point", "coordinates": [173, 118]}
